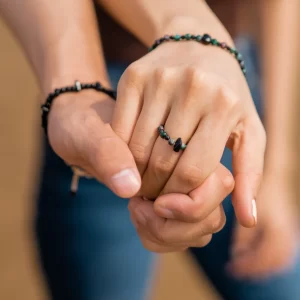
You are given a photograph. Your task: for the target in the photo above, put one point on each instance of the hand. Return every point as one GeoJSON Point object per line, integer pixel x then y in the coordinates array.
{"type": "Point", "coordinates": [200, 94]}
{"type": "Point", "coordinates": [80, 133]}
{"type": "Point", "coordinates": [271, 246]}
{"type": "Point", "coordinates": [192, 219]}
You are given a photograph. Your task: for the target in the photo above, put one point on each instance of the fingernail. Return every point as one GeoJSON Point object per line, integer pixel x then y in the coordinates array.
{"type": "Point", "coordinates": [254, 211]}
{"type": "Point", "coordinates": [126, 182]}
{"type": "Point", "coordinates": [165, 213]}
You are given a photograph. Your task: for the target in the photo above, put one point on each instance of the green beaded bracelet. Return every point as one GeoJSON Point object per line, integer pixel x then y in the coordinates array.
{"type": "Point", "coordinates": [205, 39]}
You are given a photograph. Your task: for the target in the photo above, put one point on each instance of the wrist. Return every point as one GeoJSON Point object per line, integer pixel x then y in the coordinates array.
{"type": "Point", "coordinates": [203, 21]}
{"type": "Point", "coordinates": [71, 59]}
{"type": "Point", "coordinates": [280, 161]}
{"type": "Point", "coordinates": [68, 76]}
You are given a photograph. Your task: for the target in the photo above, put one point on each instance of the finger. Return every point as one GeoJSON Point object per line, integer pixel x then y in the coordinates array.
{"type": "Point", "coordinates": [158, 248]}
{"type": "Point", "coordinates": [175, 233]}
{"type": "Point", "coordinates": [148, 241]}
{"type": "Point", "coordinates": [182, 122]}
{"type": "Point", "coordinates": [205, 149]}
{"type": "Point", "coordinates": [248, 147]}
{"type": "Point", "coordinates": [201, 201]}
{"type": "Point", "coordinates": [129, 103]}
{"type": "Point", "coordinates": [244, 239]}
{"type": "Point", "coordinates": [156, 107]}
{"type": "Point", "coordinates": [268, 257]}
{"type": "Point", "coordinates": [110, 158]}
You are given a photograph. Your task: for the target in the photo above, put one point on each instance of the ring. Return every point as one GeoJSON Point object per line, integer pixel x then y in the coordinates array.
{"type": "Point", "coordinates": [177, 144]}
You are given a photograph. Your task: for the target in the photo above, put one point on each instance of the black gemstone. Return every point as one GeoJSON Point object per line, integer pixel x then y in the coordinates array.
{"type": "Point", "coordinates": [63, 90]}
{"type": "Point", "coordinates": [98, 85]}
{"type": "Point", "coordinates": [206, 39]}
{"type": "Point", "coordinates": [166, 137]}
{"type": "Point", "coordinates": [57, 92]}
{"type": "Point", "coordinates": [177, 145]}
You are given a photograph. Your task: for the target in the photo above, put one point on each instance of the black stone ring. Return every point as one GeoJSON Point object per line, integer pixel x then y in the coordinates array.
{"type": "Point", "coordinates": [177, 144]}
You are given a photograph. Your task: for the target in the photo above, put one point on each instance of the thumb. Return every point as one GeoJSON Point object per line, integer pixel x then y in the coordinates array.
{"type": "Point", "coordinates": [111, 161]}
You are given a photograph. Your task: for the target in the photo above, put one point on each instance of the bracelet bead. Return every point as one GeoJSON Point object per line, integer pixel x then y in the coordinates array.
{"type": "Point", "coordinates": [77, 87]}
{"type": "Point", "coordinates": [205, 39]}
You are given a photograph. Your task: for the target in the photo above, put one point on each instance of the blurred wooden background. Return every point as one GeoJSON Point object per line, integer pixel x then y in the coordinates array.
{"type": "Point", "coordinates": [20, 278]}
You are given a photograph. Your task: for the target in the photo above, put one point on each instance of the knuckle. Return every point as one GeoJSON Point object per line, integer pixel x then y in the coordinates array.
{"type": "Point", "coordinates": [121, 133]}
{"type": "Point", "coordinates": [196, 214]}
{"type": "Point", "coordinates": [104, 153]}
{"type": "Point", "coordinates": [134, 71]}
{"type": "Point", "coordinates": [132, 76]}
{"type": "Point", "coordinates": [226, 97]}
{"type": "Point", "coordinates": [190, 176]}
{"type": "Point", "coordinates": [139, 153]}
{"type": "Point", "coordinates": [161, 235]}
{"type": "Point", "coordinates": [228, 181]}
{"type": "Point", "coordinates": [161, 167]}
{"type": "Point", "coordinates": [200, 80]}
{"type": "Point", "coordinates": [163, 75]}
{"type": "Point", "coordinates": [204, 241]}
{"type": "Point", "coordinates": [215, 222]}
{"type": "Point", "coordinates": [219, 224]}
{"type": "Point", "coordinates": [196, 77]}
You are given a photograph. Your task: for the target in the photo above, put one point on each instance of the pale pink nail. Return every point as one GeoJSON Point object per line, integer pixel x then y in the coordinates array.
{"type": "Point", "coordinates": [254, 210]}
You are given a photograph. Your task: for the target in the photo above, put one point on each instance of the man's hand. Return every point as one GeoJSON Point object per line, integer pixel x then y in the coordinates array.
{"type": "Point", "coordinates": [80, 133]}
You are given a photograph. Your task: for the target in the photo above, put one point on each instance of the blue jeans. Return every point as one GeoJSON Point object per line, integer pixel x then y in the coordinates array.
{"type": "Point", "coordinates": [90, 251]}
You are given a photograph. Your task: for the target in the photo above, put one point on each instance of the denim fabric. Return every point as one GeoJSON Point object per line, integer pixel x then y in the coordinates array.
{"type": "Point", "coordinates": [90, 251]}
{"type": "Point", "coordinates": [88, 246]}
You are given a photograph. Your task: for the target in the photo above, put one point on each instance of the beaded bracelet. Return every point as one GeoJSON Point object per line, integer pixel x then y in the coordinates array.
{"type": "Point", "coordinates": [77, 87]}
{"type": "Point", "coordinates": [205, 39]}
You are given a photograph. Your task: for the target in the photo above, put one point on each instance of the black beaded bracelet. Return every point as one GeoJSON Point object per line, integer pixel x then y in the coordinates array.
{"type": "Point", "coordinates": [77, 87]}
{"type": "Point", "coordinates": [205, 39]}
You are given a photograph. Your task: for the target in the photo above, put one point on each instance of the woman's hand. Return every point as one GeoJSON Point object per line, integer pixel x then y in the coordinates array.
{"type": "Point", "coordinates": [272, 246]}
{"type": "Point", "coordinates": [200, 94]}
{"type": "Point", "coordinates": [192, 219]}
{"type": "Point", "coordinates": [80, 133]}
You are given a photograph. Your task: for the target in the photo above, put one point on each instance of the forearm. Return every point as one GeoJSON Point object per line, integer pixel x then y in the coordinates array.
{"type": "Point", "coordinates": [151, 19]}
{"type": "Point", "coordinates": [60, 39]}
{"type": "Point", "coordinates": [280, 51]}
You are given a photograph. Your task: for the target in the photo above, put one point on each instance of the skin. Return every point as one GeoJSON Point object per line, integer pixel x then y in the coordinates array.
{"type": "Point", "coordinates": [225, 100]}
{"type": "Point", "coordinates": [168, 87]}
{"type": "Point", "coordinates": [79, 125]}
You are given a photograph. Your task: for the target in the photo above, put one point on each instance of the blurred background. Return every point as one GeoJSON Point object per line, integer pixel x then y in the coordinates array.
{"type": "Point", "coordinates": [20, 276]}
